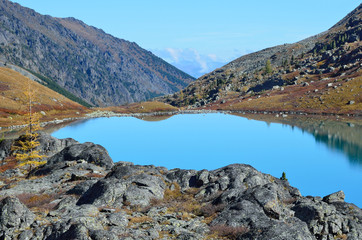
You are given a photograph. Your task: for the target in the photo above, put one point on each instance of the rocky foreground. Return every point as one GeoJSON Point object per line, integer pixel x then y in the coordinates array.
{"type": "Point", "coordinates": [81, 194]}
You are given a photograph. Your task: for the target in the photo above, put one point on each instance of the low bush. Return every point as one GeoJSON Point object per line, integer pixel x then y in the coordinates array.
{"type": "Point", "coordinates": [210, 210]}
{"type": "Point", "coordinates": [141, 219]}
{"type": "Point", "coordinates": [9, 163]}
{"type": "Point", "coordinates": [229, 232]}
{"type": "Point", "coordinates": [42, 201]}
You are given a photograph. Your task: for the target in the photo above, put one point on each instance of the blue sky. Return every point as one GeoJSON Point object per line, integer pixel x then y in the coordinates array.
{"type": "Point", "coordinates": [200, 35]}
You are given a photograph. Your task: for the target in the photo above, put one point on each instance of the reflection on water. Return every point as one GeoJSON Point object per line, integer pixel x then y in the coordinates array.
{"type": "Point", "coordinates": [340, 136]}
{"type": "Point", "coordinates": [155, 118]}
{"type": "Point", "coordinates": [352, 150]}
{"type": "Point", "coordinates": [343, 136]}
{"type": "Point", "coordinates": [15, 133]}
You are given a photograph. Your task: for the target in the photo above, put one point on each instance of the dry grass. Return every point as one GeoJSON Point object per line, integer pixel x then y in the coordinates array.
{"type": "Point", "coordinates": [305, 98]}
{"type": "Point", "coordinates": [13, 98]}
{"type": "Point", "coordinates": [336, 98]}
{"type": "Point", "coordinates": [142, 107]}
{"type": "Point", "coordinates": [141, 219]}
{"type": "Point", "coordinates": [341, 236]}
{"type": "Point", "coordinates": [13, 101]}
{"type": "Point", "coordinates": [177, 201]}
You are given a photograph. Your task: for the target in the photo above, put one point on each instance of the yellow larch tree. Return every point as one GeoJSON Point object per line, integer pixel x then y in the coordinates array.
{"type": "Point", "coordinates": [24, 149]}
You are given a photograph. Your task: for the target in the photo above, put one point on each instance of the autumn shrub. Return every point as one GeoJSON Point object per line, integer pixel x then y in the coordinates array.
{"type": "Point", "coordinates": [9, 163]}
{"type": "Point", "coordinates": [210, 210]}
{"type": "Point", "coordinates": [95, 175]}
{"type": "Point", "coordinates": [141, 219]}
{"type": "Point", "coordinates": [229, 232]}
{"type": "Point", "coordinates": [177, 201]}
{"type": "Point", "coordinates": [42, 201]}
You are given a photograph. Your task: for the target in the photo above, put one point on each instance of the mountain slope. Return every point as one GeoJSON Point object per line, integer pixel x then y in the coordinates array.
{"type": "Point", "coordinates": [99, 68]}
{"type": "Point", "coordinates": [307, 76]}
{"type": "Point", "coordinates": [13, 103]}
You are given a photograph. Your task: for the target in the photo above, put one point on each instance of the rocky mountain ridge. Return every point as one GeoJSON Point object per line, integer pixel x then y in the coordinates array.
{"type": "Point", "coordinates": [330, 59]}
{"type": "Point", "coordinates": [81, 194]}
{"type": "Point", "coordinates": [95, 66]}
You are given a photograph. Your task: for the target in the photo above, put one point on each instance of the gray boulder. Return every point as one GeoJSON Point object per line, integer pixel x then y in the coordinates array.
{"type": "Point", "coordinates": [86, 153]}
{"type": "Point", "coordinates": [5, 148]}
{"type": "Point", "coordinates": [135, 185]}
{"type": "Point", "coordinates": [14, 215]}
{"type": "Point", "coordinates": [75, 232]}
{"type": "Point", "coordinates": [82, 187]}
{"type": "Point", "coordinates": [334, 197]}
{"type": "Point", "coordinates": [90, 152]}
{"type": "Point", "coordinates": [104, 193]}
{"type": "Point", "coordinates": [50, 145]}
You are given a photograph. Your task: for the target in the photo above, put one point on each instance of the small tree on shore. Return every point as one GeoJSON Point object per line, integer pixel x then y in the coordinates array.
{"type": "Point", "coordinates": [24, 149]}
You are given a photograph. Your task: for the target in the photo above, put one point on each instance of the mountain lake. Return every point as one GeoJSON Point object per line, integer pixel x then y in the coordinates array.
{"type": "Point", "coordinates": [319, 157]}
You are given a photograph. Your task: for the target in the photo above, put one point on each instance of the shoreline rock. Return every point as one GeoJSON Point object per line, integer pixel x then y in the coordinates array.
{"type": "Point", "coordinates": [81, 194]}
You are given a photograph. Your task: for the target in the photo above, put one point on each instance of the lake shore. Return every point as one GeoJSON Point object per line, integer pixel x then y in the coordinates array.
{"type": "Point", "coordinates": [247, 113]}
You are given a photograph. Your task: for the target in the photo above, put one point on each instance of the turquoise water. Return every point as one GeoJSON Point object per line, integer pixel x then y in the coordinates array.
{"type": "Point", "coordinates": [315, 164]}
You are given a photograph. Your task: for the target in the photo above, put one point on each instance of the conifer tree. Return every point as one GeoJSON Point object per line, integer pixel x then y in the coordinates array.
{"type": "Point", "coordinates": [268, 67]}
{"type": "Point", "coordinates": [24, 149]}
{"type": "Point", "coordinates": [284, 177]}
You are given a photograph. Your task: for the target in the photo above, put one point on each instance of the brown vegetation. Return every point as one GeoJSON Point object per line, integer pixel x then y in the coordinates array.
{"type": "Point", "coordinates": [141, 107]}
{"type": "Point", "coordinates": [40, 201]}
{"type": "Point", "coordinates": [13, 101]}
{"type": "Point", "coordinates": [317, 98]}
{"type": "Point", "coordinates": [8, 163]}
{"type": "Point", "coordinates": [228, 232]}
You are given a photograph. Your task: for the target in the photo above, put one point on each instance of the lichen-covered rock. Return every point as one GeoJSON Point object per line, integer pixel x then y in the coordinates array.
{"type": "Point", "coordinates": [14, 215]}
{"type": "Point", "coordinates": [5, 148]}
{"type": "Point", "coordinates": [335, 197]}
{"type": "Point", "coordinates": [50, 145]}
{"type": "Point", "coordinates": [90, 152]}
{"type": "Point", "coordinates": [135, 185]}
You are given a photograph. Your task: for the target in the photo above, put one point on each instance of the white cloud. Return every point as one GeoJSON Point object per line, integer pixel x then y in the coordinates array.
{"type": "Point", "coordinates": [174, 53]}
{"type": "Point", "coordinates": [190, 60]}
{"type": "Point", "coordinates": [212, 56]}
